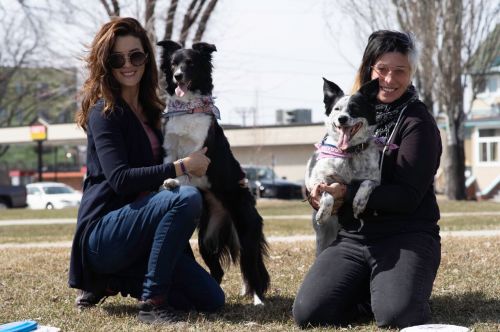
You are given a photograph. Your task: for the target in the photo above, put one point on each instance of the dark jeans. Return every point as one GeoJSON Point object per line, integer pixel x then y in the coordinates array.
{"type": "Point", "coordinates": [395, 274]}
{"type": "Point", "coordinates": [148, 241]}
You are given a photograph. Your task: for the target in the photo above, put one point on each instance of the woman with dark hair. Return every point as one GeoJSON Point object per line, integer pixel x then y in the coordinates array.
{"type": "Point", "coordinates": [129, 237]}
{"type": "Point", "coordinates": [383, 266]}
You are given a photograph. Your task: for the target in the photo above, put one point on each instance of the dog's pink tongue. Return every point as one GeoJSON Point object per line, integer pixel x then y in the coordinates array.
{"type": "Point", "coordinates": [345, 136]}
{"type": "Point", "coordinates": [180, 90]}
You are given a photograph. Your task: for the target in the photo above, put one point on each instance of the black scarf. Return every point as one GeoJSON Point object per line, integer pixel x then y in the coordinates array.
{"type": "Point", "coordinates": [387, 114]}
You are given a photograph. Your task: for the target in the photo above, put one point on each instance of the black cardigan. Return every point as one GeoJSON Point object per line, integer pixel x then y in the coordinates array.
{"type": "Point", "coordinates": [405, 200]}
{"type": "Point", "coordinates": [119, 167]}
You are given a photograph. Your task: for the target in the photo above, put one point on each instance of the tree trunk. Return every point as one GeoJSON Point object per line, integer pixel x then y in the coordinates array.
{"type": "Point", "coordinates": [204, 20]}
{"type": "Point", "coordinates": [149, 19]}
{"type": "Point", "coordinates": [450, 61]}
{"type": "Point", "coordinates": [455, 169]}
{"type": "Point", "coordinates": [189, 18]}
{"type": "Point", "coordinates": [169, 25]}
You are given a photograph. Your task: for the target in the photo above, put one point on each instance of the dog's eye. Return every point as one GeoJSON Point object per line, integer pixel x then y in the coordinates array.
{"type": "Point", "coordinates": [336, 108]}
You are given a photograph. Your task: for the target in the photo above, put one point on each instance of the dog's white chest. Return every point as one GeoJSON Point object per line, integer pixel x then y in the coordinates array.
{"type": "Point", "coordinates": [185, 134]}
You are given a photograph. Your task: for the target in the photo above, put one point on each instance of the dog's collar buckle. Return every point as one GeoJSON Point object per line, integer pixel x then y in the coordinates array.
{"type": "Point", "coordinates": [357, 148]}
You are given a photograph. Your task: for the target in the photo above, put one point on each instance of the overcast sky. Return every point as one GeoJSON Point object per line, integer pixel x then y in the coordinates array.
{"type": "Point", "coordinates": [271, 54]}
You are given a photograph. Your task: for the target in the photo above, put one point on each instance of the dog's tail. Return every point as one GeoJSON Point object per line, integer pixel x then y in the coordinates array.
{"type": "Point", "coordinates": [217, 238]}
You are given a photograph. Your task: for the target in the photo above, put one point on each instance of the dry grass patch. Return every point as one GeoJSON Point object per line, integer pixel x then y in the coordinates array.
{"type": "Point", "coordinates": [34, 286]}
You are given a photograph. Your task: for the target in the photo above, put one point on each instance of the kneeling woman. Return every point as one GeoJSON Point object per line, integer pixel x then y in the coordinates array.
{"type": "Point", "coordinates": [384, 266]}
{"type": "Point", "coordinates": [130, 238]}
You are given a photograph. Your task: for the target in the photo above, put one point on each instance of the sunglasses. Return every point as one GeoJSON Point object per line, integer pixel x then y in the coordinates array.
{"type": "Point", "coordinates": [118, 60]}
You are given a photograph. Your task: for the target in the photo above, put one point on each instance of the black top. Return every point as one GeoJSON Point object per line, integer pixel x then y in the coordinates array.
{"type": "Point", "coordinates": [405, 200]}
{"type": "Point", "coordinates": [120, 166]}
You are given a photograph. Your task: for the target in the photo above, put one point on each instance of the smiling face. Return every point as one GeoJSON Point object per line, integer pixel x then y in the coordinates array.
{"type": "Point", "coordinates": [129, 76]}
{"type": "Point", "coordinates": [394, 73]}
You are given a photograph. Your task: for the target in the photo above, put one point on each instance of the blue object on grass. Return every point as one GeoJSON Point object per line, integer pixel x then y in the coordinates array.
{"type": "Point", "coordinates": [22, 326]}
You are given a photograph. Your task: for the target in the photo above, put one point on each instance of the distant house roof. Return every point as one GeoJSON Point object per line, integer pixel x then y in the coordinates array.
{"type": "Point", "coordinates": [490, 121]}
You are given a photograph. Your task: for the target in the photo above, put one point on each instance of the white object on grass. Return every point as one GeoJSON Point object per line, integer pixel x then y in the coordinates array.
{"type": "Point", "coordinates": [436, 328]}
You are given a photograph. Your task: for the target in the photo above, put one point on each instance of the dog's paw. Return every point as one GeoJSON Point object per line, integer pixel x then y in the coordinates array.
{"type": "Point", "coordinates": [323, 214]}
{"type": "Point", "coordinates": [170, 184]}
{"type": "Point", "coordinates": [362, 196]}
{"type": "Point", "coordinates": [359, 205]}
{"type": "Point", "coordinates": [325, 208]}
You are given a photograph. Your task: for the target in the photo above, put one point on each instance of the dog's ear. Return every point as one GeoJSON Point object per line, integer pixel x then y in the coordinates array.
{"type": "Point", "coordinates": [370, 90]}
{"type": "Point", "coordinates": [169, 46]}
{"type": "Point", "coordinates": [331, 93]}
{"type": "Point", "coordinates": [204, 48]}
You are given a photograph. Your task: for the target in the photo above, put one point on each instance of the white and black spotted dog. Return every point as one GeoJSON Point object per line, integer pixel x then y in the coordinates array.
{"type": "Point", "coordinates": [348, 152]}
{"type": "Point", "coordinates": [230, 228]}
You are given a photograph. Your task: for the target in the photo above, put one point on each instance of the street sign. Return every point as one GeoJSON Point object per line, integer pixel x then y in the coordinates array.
{"type": "Point", "coordinates": [38, 132]}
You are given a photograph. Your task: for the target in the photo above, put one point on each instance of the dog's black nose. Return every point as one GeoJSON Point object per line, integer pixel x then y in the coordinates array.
{"type": "Point", "coordinates": [343, 119]}
{"type": "Point", "coordinates": [178, 76]}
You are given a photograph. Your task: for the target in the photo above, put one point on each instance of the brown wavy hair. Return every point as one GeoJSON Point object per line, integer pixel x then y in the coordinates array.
{"type": "Point", "coordinates": [100, 82]}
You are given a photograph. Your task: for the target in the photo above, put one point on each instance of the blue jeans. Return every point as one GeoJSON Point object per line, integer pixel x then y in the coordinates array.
{"type": "Point", "coordinates": [147, 244]}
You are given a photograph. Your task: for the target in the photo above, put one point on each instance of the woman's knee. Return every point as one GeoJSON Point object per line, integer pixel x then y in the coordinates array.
{"type": "Point", "coordinates": [310, 314]}
{"type": "Point", "coordinates": [402, 314]}
{"type": "Point", "coordinates": [190, 200]}
{"type": "Point", "coordinates": [186, 199]}
{"type": "Point", "coordinates": [217, 302]}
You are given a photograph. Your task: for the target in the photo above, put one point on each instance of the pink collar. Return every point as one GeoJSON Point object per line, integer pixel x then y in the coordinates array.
{"type": "Point", "coordinates": [203, 104]}
{"type": "Point", "coordinates": [326, 149]}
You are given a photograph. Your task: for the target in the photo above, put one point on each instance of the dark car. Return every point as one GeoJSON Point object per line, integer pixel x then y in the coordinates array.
{"type": "Point", "coordinates": [12, 196]}
{"type": "Point", "coordinates": [263, 182]}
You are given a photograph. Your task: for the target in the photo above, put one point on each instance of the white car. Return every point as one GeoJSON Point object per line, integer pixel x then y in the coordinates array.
{"type": "Point", "coordinates": [52, 195]}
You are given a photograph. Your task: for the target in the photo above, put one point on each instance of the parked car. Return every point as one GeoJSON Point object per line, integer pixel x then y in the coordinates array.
{"type": "Point", "coordinates": [52, 195]}
{"type": "Point", "coordinates": [12, 196]}
{"type": "Point", "coordinates": [263, 182]}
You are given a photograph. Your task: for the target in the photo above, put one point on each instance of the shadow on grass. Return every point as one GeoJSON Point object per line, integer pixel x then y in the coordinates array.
{"type": "Point", "coordinates": [465, 309]}
{"type": "Point", "coordinates": [276, 309]}
{"type": "Point", "coordinates": [121, 309]}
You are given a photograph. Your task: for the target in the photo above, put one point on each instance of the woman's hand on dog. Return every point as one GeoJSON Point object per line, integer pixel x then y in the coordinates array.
{"type": "Point", "coordinates": [197, 162]}
{"type": "Point", "coordinates": [337, 190]}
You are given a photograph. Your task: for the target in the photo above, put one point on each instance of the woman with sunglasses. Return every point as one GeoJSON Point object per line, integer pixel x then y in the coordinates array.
{"type": "Point", "coordinates": [129, 237]}
{"type": "Point", "coordinates": [383, 265]}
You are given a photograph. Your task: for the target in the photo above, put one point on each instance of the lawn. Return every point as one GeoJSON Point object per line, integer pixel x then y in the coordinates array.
{"type": "Point", "coordinates": [33, 286]}
{"type": "Point", "coordinates": [296, 220]}
{"type": "Point", "coordinates": [33, 282]}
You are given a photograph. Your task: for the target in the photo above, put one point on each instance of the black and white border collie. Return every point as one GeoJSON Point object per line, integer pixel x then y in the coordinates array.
{"type": "Point", "coordinates": [230, 228]}
{"type": "Point", "coordinates": [347, 152]}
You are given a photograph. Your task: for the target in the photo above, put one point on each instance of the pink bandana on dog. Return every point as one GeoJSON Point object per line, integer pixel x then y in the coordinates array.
{"type": "Point", "coordinates": [203, 104]}
{"type": "Point", "coordinates": [329, 150]}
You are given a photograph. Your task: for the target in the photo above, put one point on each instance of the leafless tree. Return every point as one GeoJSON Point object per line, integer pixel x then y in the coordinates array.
{"type": "Point", "coordinates": [450, 32]}
{"type": "Point", "coordinates": [21, 38]}
{"type": "Point", "coordinates": [112, 7]}
{"type": "Point", "coordinates": [194, 20]}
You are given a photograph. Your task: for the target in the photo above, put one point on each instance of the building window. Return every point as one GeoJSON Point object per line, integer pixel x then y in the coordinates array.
{"type": "Point", "coordinates": [488, 145]}
{"type": "Point", "coordinates": [492, 84]}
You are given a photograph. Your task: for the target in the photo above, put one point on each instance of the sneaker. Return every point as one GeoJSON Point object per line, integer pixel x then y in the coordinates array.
{"type": "Point", "coordinates": [156, 314]}
{"type": "Point", "coordinates": [85, 299]}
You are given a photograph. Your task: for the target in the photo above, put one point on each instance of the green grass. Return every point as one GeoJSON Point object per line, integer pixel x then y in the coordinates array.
{"type": "Point", "coordinates": [36, 233]}
{"type": "Point", "coordinates": [33, 282]}
{"type": "Point", "coordinates": [12, 214]}
{"type": "Point", "coordinates": [267, 207]}
{"type": "Point", "coordinates": [272, 210]}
